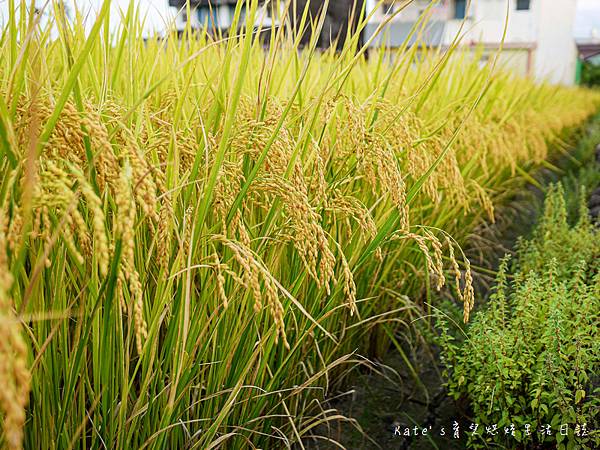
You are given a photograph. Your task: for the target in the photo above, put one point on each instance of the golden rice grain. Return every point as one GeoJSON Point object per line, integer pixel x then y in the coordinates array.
{"type": "Point", "coordinates": [438, 259]}
{"type": "Point", "coordinates": [308, 236]}
{"type": "Point", "coordinates": [349, 285]}
{"type": "Point", "coordinates": [375, 156]}
{"type": "Point", "coordinates": [353, 208]}
{"type": "Point", "coordinates": [165, 218]}
{"type": "Point", "coordinates": [421, 242]}
{"type": "Point", "coordinates": [220, 280]}
{"type": "Point", "coordinates": [455, 267]}
{"type": "Point", "coordinates": [484, 200]}
{"type": "Point", "coordinates": [125, 226]}
{"type": "Point", "coordinates": [14, 374]}
{"type": "Point", "coordinates": [254, 271]}
{"type": "Point", "coordinates": [468, 293]}
{"type": "Point", "coordinates": [98, 224]}
{"type": "Point", "coordinates": [14, 229]}
{"type": "Point", "coordinates": [135, 287]}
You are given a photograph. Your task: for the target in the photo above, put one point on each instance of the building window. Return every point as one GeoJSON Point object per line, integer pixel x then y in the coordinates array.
{"type": "Point", "coordinates": [208, 15]}
{"type": "Point", "coordinates": [523, 5]}
{"type": "Point", "coordinates": [460, 9]}
{"type": "Point", "coordinates": [388, 7]}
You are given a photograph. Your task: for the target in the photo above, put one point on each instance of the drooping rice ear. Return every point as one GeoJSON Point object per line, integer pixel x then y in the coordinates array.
{"type": "Point", "coordinates": [15, 377]}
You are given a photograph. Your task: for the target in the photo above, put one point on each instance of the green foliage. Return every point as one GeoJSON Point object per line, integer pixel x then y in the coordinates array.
{"type": "Point", "coordinates": [590, 74]}
{"type": "Point", "coordinates": [532, 355]}
{"type": "Point", "coordinates": [172, 210]}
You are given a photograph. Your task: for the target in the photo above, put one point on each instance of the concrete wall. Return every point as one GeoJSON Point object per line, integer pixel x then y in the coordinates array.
{"type": "Point", "coordinates": [556, 54]}
{"type": "Point", "coordinates": [487, 20]}
{"type": "Point", "coordinates": [517, 60]}
{"type": "Point", "coordinates": [411, 13]}
{"type": "Point", "coordinates": [544, 32]}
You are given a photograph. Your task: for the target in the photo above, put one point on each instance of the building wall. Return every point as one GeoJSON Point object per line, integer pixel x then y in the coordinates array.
{"type": "Point", "coordinates": [486, 22]}
{"type": "Point", "coordinates": [485, 25]}
{"type": "Point", "coordinates": [225, 14]}
{"type": "Point", "coordinates": [543, 35]}
{"type": "Point", "coordinates": [556, 54]}
{"type": "Point", "coordinates": [335, 28]}
{"type": "Point", "coordinates": [547, 28]}
{"type": "Point", "coordinates": [411, 12]}
{"type": "Point", "coordinates": [222, 11]}
{"type": "Point", "coordinates": [517, 60]}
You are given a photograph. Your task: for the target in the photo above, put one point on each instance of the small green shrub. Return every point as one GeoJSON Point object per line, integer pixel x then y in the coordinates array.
{"type": "Point", "coordinates": [590, 74]}
{"type": "Point", "coordinates": [533, 356]}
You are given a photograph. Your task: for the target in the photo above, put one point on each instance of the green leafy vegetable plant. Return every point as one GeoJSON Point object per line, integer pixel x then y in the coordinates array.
{"type": "Point", "coordinates": [530, 361]}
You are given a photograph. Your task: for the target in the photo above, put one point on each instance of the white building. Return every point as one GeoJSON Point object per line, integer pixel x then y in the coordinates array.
{"type": "Point", "coordinates": [539, 40]}
{"type": "Point", "coordinates": [218, 14]}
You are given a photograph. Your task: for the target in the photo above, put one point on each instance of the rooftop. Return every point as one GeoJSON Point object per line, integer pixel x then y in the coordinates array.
{"type": "Point", "coordinates": [588, 48]}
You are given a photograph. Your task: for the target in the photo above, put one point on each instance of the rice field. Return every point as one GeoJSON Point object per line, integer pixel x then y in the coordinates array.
{"type": "Point", "coordinates": [200, 237]}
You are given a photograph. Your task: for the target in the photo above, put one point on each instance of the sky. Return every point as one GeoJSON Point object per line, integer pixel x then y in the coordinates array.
{"type": "Point", "coordinates": [156, 11]}
{"type": "Point", "coordinates": [588, 14]}
{"type": "Point", "coordinates": [588, 18]}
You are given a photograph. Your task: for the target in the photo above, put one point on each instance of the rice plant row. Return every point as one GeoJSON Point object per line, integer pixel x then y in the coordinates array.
{"type": "Point", "coordinates": [199, 236]}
